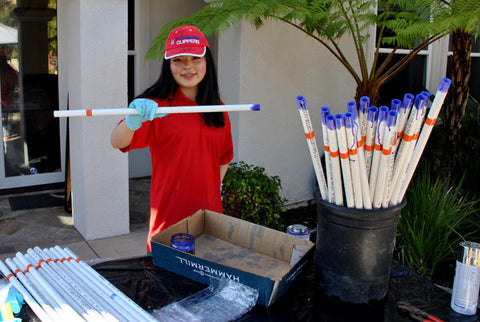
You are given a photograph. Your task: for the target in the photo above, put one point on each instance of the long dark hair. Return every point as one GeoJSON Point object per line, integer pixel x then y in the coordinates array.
{"type": "Point", "coordinates": [208, 93]}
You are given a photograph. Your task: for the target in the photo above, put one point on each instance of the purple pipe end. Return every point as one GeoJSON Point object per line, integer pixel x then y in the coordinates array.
{"type": "Point", "coordinates": [445, 84]}
{"type": "Point", "coordinates": [324, 111]}
{"type": "Point", "coordinates": [331, 122]}
{"type": "Point", "coordinates": [426, 94]}
{"type": "Point", "coordinates": [255, 107]}
{"type": "Point", "coordinates": [382, 113]}
{"type": "Point", "coordinates": [407, 101]}
{"type": "Point", "coordinates": [352, 108]}
{"type": "Point", "coordinates": [349, 120]}
{"type": "Point", "coordinates": [339, 121]}
{"type": "Point", "coordinates": [364, 104]}
{"type": "Point", "coordinates": [372, 113]}
{"type": "Point", "coordinates": [419, 99]}
{"type": "Point", "coordinates": [392, 118]}
{"type": "Point", "coordinates": [396, 104]}
{"type": "Point", "coordinates": [302, 105]}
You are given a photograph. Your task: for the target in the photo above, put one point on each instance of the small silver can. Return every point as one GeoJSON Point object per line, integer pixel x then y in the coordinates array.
{"type": "Point", "coordinates": [298, 230]}
{"type": "Point", "coordinates": [466, 283]}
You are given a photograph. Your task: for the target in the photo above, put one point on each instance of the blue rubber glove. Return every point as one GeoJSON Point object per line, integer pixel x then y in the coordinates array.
{"type": "Point", "coordinates": [146, 112]}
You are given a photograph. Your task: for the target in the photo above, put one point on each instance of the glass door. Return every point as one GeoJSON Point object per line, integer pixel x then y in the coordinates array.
{"type": "Point", "coordinates": [31, 149]}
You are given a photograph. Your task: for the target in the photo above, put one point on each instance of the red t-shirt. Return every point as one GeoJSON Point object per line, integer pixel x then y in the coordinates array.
{"type": "Point", "coordinates": [186, 158]}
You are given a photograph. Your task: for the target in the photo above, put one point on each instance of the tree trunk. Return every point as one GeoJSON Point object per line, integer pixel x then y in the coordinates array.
{"type": "Point", "coordinates": [456, 101]}
{"type": "Point", "coordinates": [370, 89]}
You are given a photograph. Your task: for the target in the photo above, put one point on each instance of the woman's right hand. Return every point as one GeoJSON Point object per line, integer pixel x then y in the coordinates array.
{"type": "Point", "coordinates": [146, 112]}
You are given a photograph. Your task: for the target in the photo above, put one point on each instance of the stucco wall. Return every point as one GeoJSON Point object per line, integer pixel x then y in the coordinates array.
{"type": "Point", "coordinates": [272, 66]}
{"type": "Point", "coordinates": [93, 73]}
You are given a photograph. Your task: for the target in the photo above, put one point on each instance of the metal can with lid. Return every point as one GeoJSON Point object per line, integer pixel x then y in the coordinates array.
{"type": "Point", "coordinates": [299, 230]}
{"type": "Point", "coordinates": [183, 242]}
{"type": "Point", "coordinates": [467, 279]}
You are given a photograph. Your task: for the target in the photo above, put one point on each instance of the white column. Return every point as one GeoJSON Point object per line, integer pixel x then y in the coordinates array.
{"type": "Point", "coordinates": [93, 47]}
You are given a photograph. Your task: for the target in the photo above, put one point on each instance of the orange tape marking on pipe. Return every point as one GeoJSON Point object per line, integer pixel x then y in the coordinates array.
{"type": "Point", "coordinates": [430, 121]}
{"type": "Point", "coordinates": [309, 135]}
{"type": "Point", "coordinates": [378, 147]}
{"type": "Point", "coordinates": [387, 152]}
{"type": "Point", "coordinates": [368, 148]}
{"type": "Point", "coordinates": [408, 137]}
{"type": "Point", "coordinates": [344, 155]}
{"type": "Point", "coordinates": [334, 154]}
{"type": "Point", "coordinates": [89, 112]}
{"type": "Point", "coordinates": [352, 151]}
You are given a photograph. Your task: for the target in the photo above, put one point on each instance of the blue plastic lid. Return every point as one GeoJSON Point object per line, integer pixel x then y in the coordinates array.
{"type": "Point", "coordinates": [183, 242]}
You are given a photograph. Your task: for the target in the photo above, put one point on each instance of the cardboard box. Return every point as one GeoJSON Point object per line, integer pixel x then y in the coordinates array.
{"type": "Point", "coordinates": [256, 256]}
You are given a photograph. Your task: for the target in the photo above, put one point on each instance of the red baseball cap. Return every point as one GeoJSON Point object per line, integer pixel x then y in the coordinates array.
{"type": "Point", "coordinates": [186, 40]}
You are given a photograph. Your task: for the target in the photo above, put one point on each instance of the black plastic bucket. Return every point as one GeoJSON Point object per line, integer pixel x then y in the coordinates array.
{"type": "Point", "coordinates": [354, 249]}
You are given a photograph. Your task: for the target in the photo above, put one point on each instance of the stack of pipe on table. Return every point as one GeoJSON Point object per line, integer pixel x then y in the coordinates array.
{"type": "Point", "coordinates": [371, 153]}
{"type": "Point", "coordinates": [59, 286]}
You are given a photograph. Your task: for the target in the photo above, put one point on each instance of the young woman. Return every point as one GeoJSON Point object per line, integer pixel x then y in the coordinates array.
{"type": "Point", "coordinates": [190, 152]}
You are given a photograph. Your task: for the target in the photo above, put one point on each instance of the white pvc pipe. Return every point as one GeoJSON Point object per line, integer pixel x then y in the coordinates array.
{"type": "Point", "coordinates": [78, 292]}
{"type": "Point", "coordinates": [104, 298]}
{"type": "Point", "coordinates": [325, 110]}
{"type": "Point", "coordinates": [425, 134]}
{"type": "Point", "coordinates": [64, 310]}
{"type": "Point", "coordinates": [385, 167]}
{"type": "Point", "coordinates": [359, 130]}
{"type": "Point", "coordinates": [335, 160]}
{"type": "Point", "coordinates": [377, 151]}
{"type": "Point", "coordinates": [407, 147]}
{"type": "Point", "coordinates": [403, 114]}
{"type": "Point", "coordinates": [42, 297]}
{"type": "Point", "coordinates": [38, 292]}
{"type": "Point", "coordinates": [160, 110]}
{"type": "Point", "coordinates": [64, 289]}
{"type": "Point", "coordinates": [370, 138]}
{"type": "Point", "coordinates": [106, 284]}
{"type": "Point", "coordinates": [27, 296]}
{"type": "Point", "coordinates": [344, 160]}
{"type": "Point", "coordinates": [312, 145]}
{"type": "Point", "coordinates": [353, 160]}
{"type": "Point", "coordinates": [363, 117]}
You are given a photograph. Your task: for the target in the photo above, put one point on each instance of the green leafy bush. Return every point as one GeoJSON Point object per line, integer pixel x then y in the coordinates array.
{"type": "Point", "coordinates": [250, 194]}
{"type": "Point", "coordinates": [429, 227]}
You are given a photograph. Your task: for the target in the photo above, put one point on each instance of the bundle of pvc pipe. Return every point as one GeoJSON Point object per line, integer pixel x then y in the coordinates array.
{"type": "Point", "coordinates": [371, 153]}
{"type": "Point", "coordinates": [59, 286]}
{"type": "Point", "coordinates": [161, 110]}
